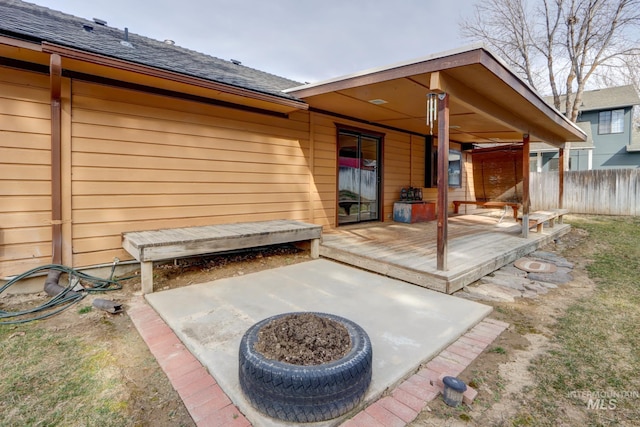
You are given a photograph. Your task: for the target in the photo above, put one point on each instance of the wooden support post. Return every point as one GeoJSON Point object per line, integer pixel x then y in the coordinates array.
{"type": "Point", "coordinates": [146, 276]}
{"type": "Point", "coordinates": [526, 201]}
{"type": "Point", "coordinates": [55, 71]}
{"type": "Point", "coordinates": [315, 248]}
{"type": "Point", "coordinates": [561, 179]}
{"type": "Point", "coordinates": [443, 179]}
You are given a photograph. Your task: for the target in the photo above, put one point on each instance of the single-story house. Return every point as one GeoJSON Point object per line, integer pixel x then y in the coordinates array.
{"type": "Point", "coordinates": [606, 116]}
{"type": "Point", "coordinates": [104, 131]}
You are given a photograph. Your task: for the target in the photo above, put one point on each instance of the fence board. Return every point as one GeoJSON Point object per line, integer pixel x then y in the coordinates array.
{"type": "Point", "coordinates": [596, 192]}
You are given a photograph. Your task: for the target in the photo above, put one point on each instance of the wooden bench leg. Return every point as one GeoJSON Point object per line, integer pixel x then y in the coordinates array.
{"type": "Point", "coordinates": [552, 222]}
{"type": "Point", "coordinates": [146, 276]}
{"type": "Point", "coordinates": [539, 227]}
{"type": "Point", "coordinates": [315, 248]}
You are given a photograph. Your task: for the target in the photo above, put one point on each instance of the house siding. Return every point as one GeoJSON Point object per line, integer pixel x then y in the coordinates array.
{"type": "Point", "coordinates": [25, 171]}
{"type": "Point", "coordinates": [610, 150]}
{"type": "Point", "coordinates": [402, 166]}
{"type": "Point", "coordinates": [136, 161]}
{"type": "Point", "coordinates": [143, 161]}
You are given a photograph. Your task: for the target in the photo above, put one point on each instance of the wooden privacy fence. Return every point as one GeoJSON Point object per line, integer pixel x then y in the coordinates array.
{"type": "Point", "coordinates": [597, 192]}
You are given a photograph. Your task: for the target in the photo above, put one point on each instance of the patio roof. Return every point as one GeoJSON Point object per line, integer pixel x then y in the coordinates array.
{"type": "Point", "coordinates": [489, 103]}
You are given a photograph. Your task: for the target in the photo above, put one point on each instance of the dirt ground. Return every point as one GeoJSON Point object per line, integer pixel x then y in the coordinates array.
{"type": "Point", "coordinates": [151, 400]}
{"type": "Point", "coordinates": [500, 374]}
{"type": "Point", "coordinates": [303, 339]}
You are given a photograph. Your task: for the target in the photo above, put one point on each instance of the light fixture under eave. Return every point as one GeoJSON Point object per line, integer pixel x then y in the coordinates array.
{"type": "Point", "coordinates": [378, 101]}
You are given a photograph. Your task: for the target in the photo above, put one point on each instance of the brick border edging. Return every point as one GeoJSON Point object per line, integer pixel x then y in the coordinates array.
{"type": "Point", "coordinates": [206, 402]}
{"type": "Point", "coordinates": [209, 405]}
{"type": "Point", "coordinates": [409, 398]}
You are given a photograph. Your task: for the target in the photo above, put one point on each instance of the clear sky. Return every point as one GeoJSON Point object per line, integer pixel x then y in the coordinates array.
{"type": "Point", "coordinates": [304, 40]}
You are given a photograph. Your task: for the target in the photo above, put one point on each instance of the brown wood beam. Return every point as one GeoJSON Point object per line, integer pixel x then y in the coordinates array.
{"type": "Point", "coordinates": [561, 179]}
{"type": "Point", "coordinates": [469, 98]}
{"type": "Point", "coordinates": [526, 201]}
{"type": "Point", "coordinates": [443, 179]}
{"type": "Point", "coordinates": [55, 65]}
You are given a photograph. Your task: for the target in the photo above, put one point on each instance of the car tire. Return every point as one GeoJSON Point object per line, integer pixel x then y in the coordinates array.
{"type": "Point", "coordinates": [306, 393]}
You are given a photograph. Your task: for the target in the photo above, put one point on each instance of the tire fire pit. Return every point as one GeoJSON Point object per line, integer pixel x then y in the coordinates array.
{"type": "Point", "coordinates": [304, 366]}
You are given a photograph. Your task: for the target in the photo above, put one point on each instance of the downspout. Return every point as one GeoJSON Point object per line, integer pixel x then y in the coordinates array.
{"type": "Point", "coordinates": [55, 72]}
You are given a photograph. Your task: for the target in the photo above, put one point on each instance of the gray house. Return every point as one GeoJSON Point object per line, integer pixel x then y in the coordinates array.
{"type": "Point", "coordinates": [613, 142]}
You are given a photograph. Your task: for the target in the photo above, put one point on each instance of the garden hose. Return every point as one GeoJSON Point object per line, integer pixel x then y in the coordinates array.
{"type": "Point", "coordinates": [62, 297]}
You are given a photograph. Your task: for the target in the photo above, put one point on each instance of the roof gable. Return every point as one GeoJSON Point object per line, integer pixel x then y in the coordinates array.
{"type": "Point", "coordinates": [37, 23]}
{"type": "Point", "coordinates": [604, 99]}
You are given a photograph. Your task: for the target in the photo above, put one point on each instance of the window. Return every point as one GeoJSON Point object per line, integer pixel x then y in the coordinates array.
{"type": "Point", "coordinates": [455, 168]}
{"type": "Point", "coordinates": [431, 168]}
{"type": "Point", "coordinates": [611, 122]}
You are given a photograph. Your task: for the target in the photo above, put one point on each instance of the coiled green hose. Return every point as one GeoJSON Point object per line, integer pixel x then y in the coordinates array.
{"type": "Point", "coordinates": [63, 300]}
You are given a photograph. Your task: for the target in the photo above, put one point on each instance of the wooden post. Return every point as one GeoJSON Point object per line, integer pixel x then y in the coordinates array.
{"type": "Point", "coordinates": [561, 178]}
{"type": "Point", "coordinates": [443, 179]}
{"type": "Point", "coordinates": [55, 72]}
{"type": "Point", "coordinates": [526, 202]}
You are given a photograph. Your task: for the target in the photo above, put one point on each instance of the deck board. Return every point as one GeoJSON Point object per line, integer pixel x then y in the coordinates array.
{"type": "Point", "coordinates": [477, 245]}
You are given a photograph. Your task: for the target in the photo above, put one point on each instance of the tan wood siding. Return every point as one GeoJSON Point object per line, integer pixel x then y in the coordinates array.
{"type": "Point", "coordinates": [402, 166]}
{"type": "Point", "coordinates": [143, 162]}
{"type": "Point", "coordinates": [25, 171]}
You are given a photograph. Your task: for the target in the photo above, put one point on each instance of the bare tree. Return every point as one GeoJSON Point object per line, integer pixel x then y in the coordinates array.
{"type": "Point", "coordinates": [557, 46]}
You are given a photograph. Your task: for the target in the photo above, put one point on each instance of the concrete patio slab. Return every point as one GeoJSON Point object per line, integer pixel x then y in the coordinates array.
{"type": "Point", "coordinates": [407, 324]}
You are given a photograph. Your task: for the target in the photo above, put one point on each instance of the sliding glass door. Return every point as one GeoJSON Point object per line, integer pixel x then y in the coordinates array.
{"type": "Point", "coordinates": [358, 177]}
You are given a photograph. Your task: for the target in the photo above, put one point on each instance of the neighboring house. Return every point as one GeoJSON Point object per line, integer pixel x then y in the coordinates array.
{"type": "Point", "coordinates": [606, 116]}
{"type": "Point", "coordinates": [103, 131]}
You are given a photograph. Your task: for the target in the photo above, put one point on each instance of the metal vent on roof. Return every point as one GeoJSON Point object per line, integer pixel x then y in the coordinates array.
{"type": "Point", "coordinates": [88, 28]}
{"type": "Point", "coordinates": [170, 42]}
{"type": "Point", "coordinates": [235, 61]}
{"type": "Point", "coordinates": [99, 21]}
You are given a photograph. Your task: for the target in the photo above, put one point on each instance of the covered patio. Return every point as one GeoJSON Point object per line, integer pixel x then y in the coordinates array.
{"type": "Point", "coordinates": [466, 98]}
{"type": "Point", "coordinates": [478, 245]}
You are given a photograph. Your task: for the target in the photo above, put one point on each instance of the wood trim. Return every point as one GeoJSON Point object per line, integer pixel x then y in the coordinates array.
{"type": "Point", "coordinates": [56, 172]}
{"type": "Point", "coordinates": [66, 194]}
{"type": "Point", "coordinates": [312, 157]}
{"type": "Point", "coordinates": [361, 131]}
{"type": "Point", "coordinates": [167, 75]}
{"type": "Point", "coordinates": [168, 93]}
{"type": "Point", "coordinates": [22, 44]}
{"type": "Point", "coordinates": [469, 99]}
{"type": "Point", "coordinates": [364, 122]}
{"type": "Point", "coordinates": [507, 76]}
{"type": "Point", "coordinates": [428, 65]}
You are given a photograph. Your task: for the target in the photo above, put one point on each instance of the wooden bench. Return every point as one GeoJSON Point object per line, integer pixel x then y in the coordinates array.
{"type": "Point", "coordinates": [514, 206]}
{"type": "Point", "coordinates": [172, 243]}
{"type": "Point", "coordinates": [538, 218]}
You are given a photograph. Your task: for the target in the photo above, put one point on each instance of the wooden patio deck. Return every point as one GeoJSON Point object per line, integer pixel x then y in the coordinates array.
{"type": "Point", "coordinates": [478, 245]}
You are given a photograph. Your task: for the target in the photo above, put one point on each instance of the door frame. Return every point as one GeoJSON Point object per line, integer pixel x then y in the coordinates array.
{"type": "Point", "coordinates": [379, 166]}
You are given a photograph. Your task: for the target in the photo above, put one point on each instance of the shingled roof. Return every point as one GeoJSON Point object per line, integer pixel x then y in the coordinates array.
{"type": "Point", "coordinates": [604, 99]}
{"type": "Point", "coordinates": [36, 23]}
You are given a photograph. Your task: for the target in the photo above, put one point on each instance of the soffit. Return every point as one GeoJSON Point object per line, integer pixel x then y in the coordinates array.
{"type": "Point", "coordinates": [488, 104]}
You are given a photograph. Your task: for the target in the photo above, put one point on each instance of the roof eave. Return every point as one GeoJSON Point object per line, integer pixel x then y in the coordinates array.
{"type": "Point", "coordinates": [81, 55]}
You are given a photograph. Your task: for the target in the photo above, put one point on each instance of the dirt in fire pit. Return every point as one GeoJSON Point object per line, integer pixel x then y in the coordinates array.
{"type": "Point", "coordinates": [303, 339]}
